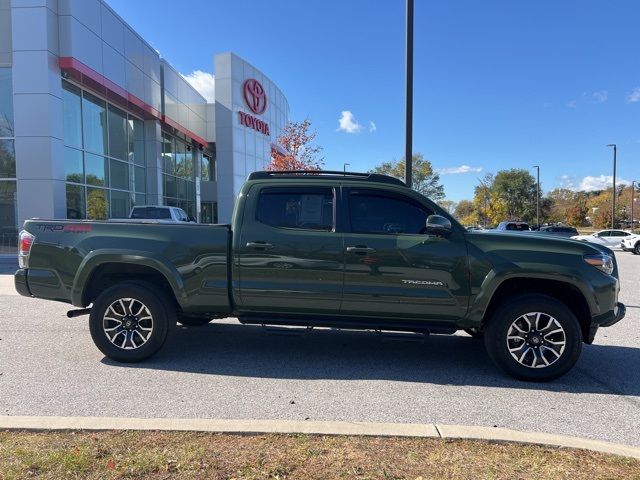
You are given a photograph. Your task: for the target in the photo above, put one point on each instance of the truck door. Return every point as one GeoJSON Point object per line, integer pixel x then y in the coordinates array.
{"type": "Point", "coordinates": [289, 257]}
{"type": "Point", "coordinates": [393, 268]}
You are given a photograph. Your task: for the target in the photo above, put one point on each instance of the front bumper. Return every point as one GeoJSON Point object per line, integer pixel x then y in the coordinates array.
{"type": "Point", "coordinates": [613, 317]}
{"type": "Point", "coordinates": [20, 281]}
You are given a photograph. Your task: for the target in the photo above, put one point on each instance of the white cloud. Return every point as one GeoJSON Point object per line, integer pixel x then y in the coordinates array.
{"type": "Point", "coordinates": [601, 182]}
{"type": "Point", "coordinates": [372, 126]}
{"type": "Point", "coordinates": [348, 123]}
{"type": "Point", "coordinates": [568, 182]}
{"type": "Point", "coordinates": [456, 170]}
{"type": "Point", "coordinates": [203, 82]}
{"type": "Point", "coordinates": [600, 96]}
{"type": "Point", "coordinates": [572, 104]}
{"type": "Point", "coordinates": [634, 96]}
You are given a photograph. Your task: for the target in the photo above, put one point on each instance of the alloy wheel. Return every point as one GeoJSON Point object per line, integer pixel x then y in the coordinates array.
{"type": "Point", "coordinates": [536, 340]}
{"type": "Point", "coordinates": [128, 323]}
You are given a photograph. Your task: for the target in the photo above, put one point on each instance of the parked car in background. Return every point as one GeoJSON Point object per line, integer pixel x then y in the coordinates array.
{"type": "Point", "coordinates": [514, 226]}
{"type": "Point", "coordinates": [608, 238]}
{"type": "Point", "coordinates": [559, 231]}
{"type": "Point", "coordinates": [157, 214]}
{"type": "Point", "coordinates": [631, 243]}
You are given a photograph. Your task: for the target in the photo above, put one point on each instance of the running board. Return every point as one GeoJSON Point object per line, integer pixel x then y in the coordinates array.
{"type": "Point", "coordinates": [349, 323]}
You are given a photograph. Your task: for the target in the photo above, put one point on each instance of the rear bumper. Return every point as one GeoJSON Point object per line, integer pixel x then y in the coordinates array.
{"type": "Point", "coordinates": [20, 281]}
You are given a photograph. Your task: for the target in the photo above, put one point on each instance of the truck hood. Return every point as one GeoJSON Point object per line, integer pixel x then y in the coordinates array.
{"type": "Point", "coordinates": [534, 242]}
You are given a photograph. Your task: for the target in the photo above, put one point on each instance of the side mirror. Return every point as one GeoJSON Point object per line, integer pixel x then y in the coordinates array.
{"type": "Point", "coordinates": [438, 225]}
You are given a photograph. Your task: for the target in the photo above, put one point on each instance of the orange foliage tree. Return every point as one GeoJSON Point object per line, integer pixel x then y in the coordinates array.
{"type": "Point", "coordinates": [298, 149]}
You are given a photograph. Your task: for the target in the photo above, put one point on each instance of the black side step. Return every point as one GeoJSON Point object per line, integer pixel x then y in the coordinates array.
{"type": "Point", "coordinates": [349, 323]}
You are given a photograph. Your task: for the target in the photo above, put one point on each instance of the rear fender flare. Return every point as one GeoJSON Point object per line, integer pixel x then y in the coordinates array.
{"type": "Point", "coordinates": [148, 259]}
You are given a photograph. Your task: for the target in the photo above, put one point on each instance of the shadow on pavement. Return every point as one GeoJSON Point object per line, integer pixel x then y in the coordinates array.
{"type": "Point", "coordinates": [252, 351]}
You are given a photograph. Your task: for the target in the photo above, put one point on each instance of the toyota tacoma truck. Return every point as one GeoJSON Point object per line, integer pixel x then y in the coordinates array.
{"type": "Point", "coordinates": [327, 249]}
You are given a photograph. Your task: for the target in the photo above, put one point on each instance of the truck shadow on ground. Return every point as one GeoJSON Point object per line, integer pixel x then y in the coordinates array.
{"type": "Point", "coordinates": [252, 351]}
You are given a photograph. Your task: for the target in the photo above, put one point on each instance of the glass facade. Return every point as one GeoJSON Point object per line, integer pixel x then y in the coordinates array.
{"type": "Point", "coordinates": [208, 169]}
{"type": "Point", "coordinates": [178, 174]}
{"type": "Point", "coordinates": [8, 200]}
{"type": "Point", "coordinates": [208, 212]}
{"type": "Point", "coordinates": [103, 157]}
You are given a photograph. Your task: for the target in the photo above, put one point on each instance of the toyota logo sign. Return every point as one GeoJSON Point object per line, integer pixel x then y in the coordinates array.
{"type": "Point", "coordinates": [255, 96]}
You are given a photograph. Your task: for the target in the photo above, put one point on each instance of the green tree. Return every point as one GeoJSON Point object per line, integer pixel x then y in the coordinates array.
{"type": "Point", "coordinates": [466, 213]}
{"type": "Point", "coordinates": [567, 206]}
{"type": "Point", "coordinates": [425, 180]}
{"type": "Point", "coordinates": [516, 189]}
{"type": "Point", "coordinates": [448, 205]}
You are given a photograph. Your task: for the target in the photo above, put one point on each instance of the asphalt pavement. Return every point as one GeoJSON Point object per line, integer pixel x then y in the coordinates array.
{"type": "Point", "coordinates": [49, 366]}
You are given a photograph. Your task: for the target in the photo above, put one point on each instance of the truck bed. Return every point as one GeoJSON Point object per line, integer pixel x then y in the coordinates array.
{"type": "Point", "coordinates": [68, 257]}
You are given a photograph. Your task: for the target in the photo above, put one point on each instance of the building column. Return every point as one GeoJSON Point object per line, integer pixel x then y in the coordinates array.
{"type": "Point", "coordinates": [37, 101]}
{"type": "Point", "coordinates": [153, 161]}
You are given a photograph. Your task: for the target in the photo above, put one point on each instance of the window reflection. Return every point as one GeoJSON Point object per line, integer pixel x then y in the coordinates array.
{"type": "Point", "coordinates": [94, 123]}
{"type": "Point", "coordinates": [104, 147]}
{"type": "Point", "coordinates": [6, 103]}
{"type": "Point", "coordinates": [7, 159]}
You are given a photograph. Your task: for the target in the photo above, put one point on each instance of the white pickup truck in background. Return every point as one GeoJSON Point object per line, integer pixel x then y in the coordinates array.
{"type": "Point", "coordinates": [157, 214]}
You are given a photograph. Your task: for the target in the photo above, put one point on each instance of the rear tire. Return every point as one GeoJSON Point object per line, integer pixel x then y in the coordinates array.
{"type": "Point", "coordinates": [636, 249]}
{"type": "Point", "coordinates": [129, 322]}
{"type": "Point", "coordinates": [534, 337]}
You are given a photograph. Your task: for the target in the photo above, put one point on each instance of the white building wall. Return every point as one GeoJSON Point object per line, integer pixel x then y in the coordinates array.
{"type": "Point", "coordinates": [241, 150]}
{"type": "Point", "coordinates": [37, 106]}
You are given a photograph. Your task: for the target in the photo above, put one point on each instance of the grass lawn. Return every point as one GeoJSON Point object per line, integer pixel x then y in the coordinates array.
{"type": "Point", "coordinates": [177, 455]}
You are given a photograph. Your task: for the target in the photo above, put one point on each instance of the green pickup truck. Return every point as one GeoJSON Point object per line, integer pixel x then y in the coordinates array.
{"type": "Point", "coordinates": [341, 250]}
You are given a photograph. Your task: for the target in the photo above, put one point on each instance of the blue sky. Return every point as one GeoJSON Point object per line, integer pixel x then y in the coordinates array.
{"type": "Point", "coordinates": [498, 83]}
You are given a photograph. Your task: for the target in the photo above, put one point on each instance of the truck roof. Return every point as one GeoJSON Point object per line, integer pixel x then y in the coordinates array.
{"type": "Point", "coordinates": [325, 174]}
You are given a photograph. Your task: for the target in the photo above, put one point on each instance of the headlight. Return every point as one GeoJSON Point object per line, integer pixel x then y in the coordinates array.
{"type": "Point", "coordinates": [601, 261]}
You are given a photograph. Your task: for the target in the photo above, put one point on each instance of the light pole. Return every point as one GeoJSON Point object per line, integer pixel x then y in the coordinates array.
{"type": "Point", "coordinates": [633, 190]}
{"type": "Point", "coordinates": [408, 152]}
{"type": "Point", "coordinates": [537, 167]}
{"type": "Point", "coordinates": [613, 198]}
{"type": "Point", "coordinates": [344, 167]}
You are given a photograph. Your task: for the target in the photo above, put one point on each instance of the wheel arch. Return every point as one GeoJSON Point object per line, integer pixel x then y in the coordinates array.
{"type": "Point", "coordinates": [565, 292]}
{"type": "Point", "coordinates": [100, 270]}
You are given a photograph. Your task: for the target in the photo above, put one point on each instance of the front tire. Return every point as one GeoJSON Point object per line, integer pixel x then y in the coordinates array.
{"type": "Point", "coordinates": [129, 322]}
{"type": "Point", "coordinates": [636, 249]}
{"type": "Point", "coordinates": [534, 338]}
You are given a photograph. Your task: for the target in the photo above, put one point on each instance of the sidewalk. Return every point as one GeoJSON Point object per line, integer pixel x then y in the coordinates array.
{"type": "Point", "coordinates": [316, 428]}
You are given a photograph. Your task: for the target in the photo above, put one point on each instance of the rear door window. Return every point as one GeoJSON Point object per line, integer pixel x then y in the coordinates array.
{"type": "Point", "coordinates": [307, 208]}
{"type": "Point", "coordinates": [373, 211]}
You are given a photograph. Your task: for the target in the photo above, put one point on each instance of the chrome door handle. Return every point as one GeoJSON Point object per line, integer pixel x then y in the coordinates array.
{"type": "Point", "coordinates": [361, 250]}
{"type": "Point", "coordinates": [260, 245]}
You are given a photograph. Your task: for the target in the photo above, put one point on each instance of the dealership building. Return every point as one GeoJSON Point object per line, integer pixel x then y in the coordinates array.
{"type": "Point", "coordinates": [94, 121]}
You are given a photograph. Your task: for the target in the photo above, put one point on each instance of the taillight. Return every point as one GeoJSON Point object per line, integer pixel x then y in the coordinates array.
{"type": "Point", "coordinates": [24, 248]}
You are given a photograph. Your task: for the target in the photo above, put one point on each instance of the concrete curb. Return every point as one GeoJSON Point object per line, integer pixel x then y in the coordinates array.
{"type": "Point", "coordinates": [429, 430]}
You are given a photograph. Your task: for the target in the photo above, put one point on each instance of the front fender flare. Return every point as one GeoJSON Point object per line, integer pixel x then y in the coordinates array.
{"type": "Point", "coordinates": [494, 280]}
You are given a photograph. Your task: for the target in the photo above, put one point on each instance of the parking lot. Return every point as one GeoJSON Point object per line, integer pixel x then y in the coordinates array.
{"type": "Point", "coordinates": [49, 366]}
